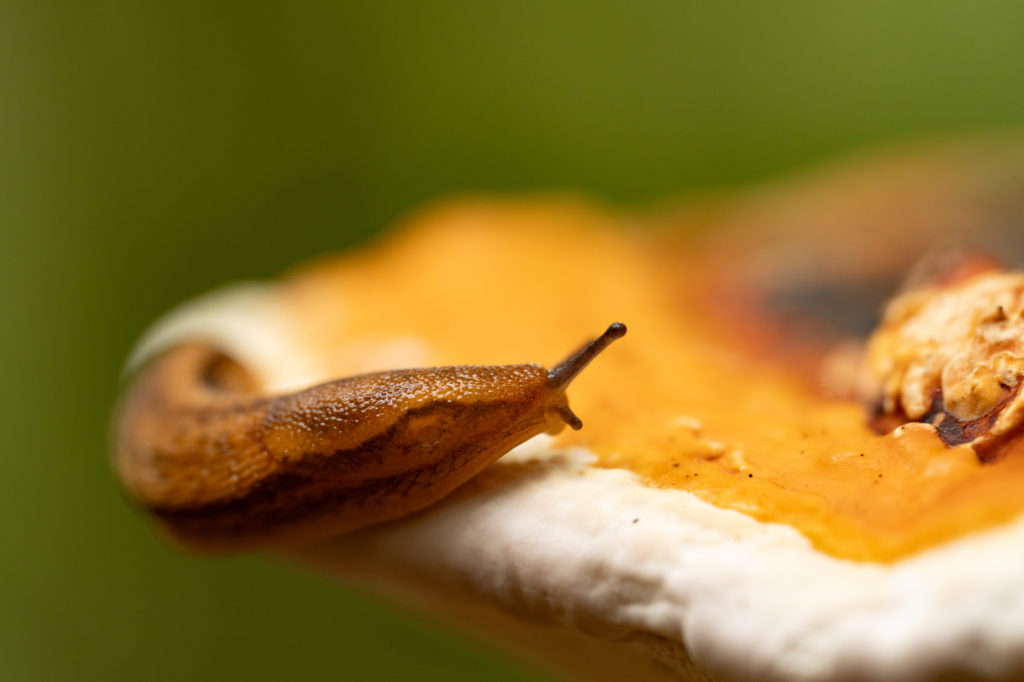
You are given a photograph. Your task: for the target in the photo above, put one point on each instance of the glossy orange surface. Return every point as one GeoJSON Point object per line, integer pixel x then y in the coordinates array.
{"type": "Point", "coordinates": [496, 283]}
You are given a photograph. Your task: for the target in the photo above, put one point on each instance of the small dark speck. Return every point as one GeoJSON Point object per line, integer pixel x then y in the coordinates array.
{"type": "Point", "coordinates": [879, 475]}
{"type": "Point", "coordinates": [635, 520]}
{"type": "Point", "coordinates": [696, 474]}
{"type": "Point", "coordinates": [750, 475]}
{"type": "Point", "coordinates": [862, 454]}
{"type": "Point", "coordinates": [675, 464]}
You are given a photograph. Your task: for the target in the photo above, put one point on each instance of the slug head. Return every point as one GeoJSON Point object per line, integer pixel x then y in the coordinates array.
{"type": "Point", "coordinates": [560, 376]}
{"type": "Point", "coordinates": [427, 411]}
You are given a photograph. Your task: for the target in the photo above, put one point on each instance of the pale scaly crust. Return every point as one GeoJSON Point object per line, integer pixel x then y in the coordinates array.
{"type": "Point", "coordinates": [952, 355]}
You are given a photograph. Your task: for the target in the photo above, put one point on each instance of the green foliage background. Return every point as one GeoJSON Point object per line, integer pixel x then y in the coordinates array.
{"type": "Point", "coordinates": [152, 150]}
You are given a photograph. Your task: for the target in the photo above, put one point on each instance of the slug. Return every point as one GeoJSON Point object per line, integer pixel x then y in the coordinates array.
{"type": "Point", "coordinates": [227, 468]}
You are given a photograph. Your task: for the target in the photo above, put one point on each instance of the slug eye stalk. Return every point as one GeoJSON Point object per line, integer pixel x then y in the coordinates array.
{"type": "Point", "coordinates": [564, 372]}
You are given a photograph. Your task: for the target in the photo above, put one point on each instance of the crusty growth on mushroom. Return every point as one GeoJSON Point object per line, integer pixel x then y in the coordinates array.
{"type": "Point", "coordinates": [951, 355]}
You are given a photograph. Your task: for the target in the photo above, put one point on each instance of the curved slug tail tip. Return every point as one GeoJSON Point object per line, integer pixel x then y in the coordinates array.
{"type": "Point", "coordinates": [567, 370]}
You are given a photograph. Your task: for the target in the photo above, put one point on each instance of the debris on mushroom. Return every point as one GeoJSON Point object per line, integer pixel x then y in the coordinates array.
{"type": "Point", "coordinates": [951, 355]}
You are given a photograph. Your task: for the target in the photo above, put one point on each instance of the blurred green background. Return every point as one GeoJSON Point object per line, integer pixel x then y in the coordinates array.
{"type": "Point", "coordinates": [152, 150]}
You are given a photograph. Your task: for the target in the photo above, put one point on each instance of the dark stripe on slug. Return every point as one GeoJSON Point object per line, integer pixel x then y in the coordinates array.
{"type": "Point", "coordinates": [331, 490]}
{"type": "Point", "coordinates": [289, 508]}
{"type": "Point", "coordinates": [418, 434]}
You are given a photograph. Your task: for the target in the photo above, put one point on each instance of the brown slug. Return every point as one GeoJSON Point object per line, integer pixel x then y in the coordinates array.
{"type": "Point", "coordinates": [227, 468]}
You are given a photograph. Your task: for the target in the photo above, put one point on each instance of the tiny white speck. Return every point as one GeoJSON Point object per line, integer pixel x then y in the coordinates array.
{"type": "Point", "coordinates": [688, 422]}
{"type": "Point", "coordinates": [714, 447]}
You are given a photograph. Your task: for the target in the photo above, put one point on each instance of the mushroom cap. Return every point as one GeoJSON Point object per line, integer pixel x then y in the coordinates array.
{"type": "Point", "coordinates": [588, 541]}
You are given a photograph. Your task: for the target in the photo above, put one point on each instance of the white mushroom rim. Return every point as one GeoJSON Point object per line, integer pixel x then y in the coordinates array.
{"type": "Point", "coordinates": [605, 554]}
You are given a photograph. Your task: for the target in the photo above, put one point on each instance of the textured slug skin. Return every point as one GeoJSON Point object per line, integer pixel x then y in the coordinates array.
{"type": "Point", "coordinates": [228, 468]}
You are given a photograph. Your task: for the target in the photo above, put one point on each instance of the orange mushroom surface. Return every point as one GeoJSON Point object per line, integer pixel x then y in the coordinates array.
{"type": "Point", "coordinates": [681, 403]}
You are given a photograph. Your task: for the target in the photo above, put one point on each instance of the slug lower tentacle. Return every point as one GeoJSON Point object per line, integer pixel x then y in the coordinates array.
{"type": "Point", "coordinates": [228, 468]}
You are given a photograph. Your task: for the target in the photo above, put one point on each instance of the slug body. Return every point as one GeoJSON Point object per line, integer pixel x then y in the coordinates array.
{"type": "Point", "coordinates": [228, 468]}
